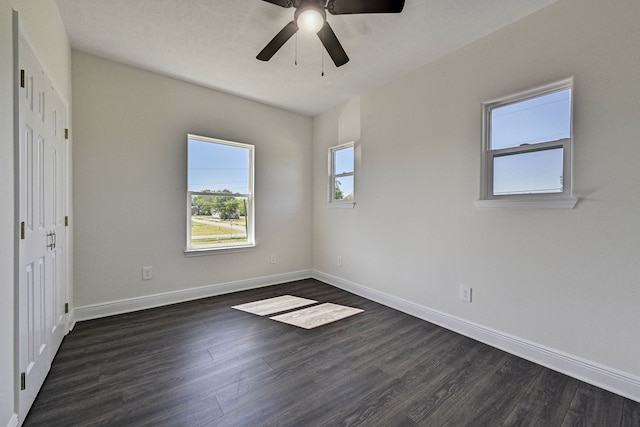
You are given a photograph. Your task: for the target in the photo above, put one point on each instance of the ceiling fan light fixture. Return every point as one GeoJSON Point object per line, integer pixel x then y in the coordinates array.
{"type": "Point", "coordinates": [310, 19]}
{"type": "Point", "coordinates": [310, 16]}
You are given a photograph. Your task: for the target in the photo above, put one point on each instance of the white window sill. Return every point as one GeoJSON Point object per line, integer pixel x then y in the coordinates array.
{"type": "Point", "coordinates": [341, 205]}
{"type": "Point", "coordinates": [218, 251]}
{"type": "Point", "coordinates": [529, 203]}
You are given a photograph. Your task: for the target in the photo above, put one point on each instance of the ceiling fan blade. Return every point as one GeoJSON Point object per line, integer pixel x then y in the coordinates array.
{"type": "Point", "coordinates": [276, 43]}
{"type": "Point", "coordinates": [333, 46]}
{"type": "Point", "coordinates": [346, 7]}
{"type": "Point", "coordinates": [283, 3]}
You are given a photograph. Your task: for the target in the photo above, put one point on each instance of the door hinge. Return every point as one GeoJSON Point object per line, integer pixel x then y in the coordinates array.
{"type": "Point", "coordinates": [23, 381]}
{"type": "Point", "coordinates": [21, 78]}
{"type": "Point", "coordinates": [66, 133]}
{"type": "Point", "coordinates": [66, 221]}
{"type": "Point", "coordinates": [66, 308]}
{"type": "Point", "coordinates": [22, 230]}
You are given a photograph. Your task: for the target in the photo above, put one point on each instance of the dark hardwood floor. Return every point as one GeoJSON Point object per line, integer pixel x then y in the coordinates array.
{"type": "Point", "coordinates": [202, 363]}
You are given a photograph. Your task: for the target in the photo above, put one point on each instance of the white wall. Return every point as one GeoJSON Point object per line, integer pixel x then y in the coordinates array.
{"type": "Point", "coordinates": [42, 23]}
{"type": "Point", "coordinates": [130, 130]}
{"type": "Point", "coordinates": [44, 27]}
{"type": "Point", "coordinates": [568, 280]}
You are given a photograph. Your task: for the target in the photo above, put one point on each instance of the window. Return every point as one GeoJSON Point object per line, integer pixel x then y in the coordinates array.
{"type": "Point", "coordinates": [527, 145]}
{"type": "Point", "coordinates": [219, 194]}
{"type": "Point", "coordinates": [342, 174]}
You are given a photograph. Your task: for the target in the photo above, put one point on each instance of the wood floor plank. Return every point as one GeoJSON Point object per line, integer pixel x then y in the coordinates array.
{"type": "Point", "coordinates": [334, 346]}
{"type": "Point", "coordinates": [495, 396]}
{"type": "Point", "coordinates": [186, 406]}
{"type": "Point", "coordinates": [630, 414]}
{"type": "Point", "coordinates": [429, 344]}
{"type": "Point", "coordinates": [333, 369]}
{"type": "Point", "coordinates": [346, 393]}
{"type": "Point", "coordinates": [592, 406]}
{"type": "Point", "coordinates": [251, 406]}
{"type": "Point", "coordinates": [202, 363]}
{"type": "Point", "coordinates": [441, 401]}
{"type": "Point", "coordinates": [545, 402]}
{"type": "Point", "coordinates": [265, 342]}
{"type": "Point", "coordinates": [92, 403]}
{"type": "Point", "coordinates": [390, 401]}
{"type": "Point", "coordinates": [338, 338]}
{"type": "Point", "coordinates": [213, 377]}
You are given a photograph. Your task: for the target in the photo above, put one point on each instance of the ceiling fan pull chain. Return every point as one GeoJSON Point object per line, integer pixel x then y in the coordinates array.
{"type": "Point", "coordinates": [296, 58]}
{"type": "Point", "coordinates": [322, 55]}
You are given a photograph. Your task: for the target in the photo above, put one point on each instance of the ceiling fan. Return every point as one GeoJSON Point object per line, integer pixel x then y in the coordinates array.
{"type": "Point", "coordinates": [310, 16]}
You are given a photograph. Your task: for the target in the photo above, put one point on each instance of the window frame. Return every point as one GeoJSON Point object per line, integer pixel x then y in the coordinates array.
{"type": "Point", "coordinates": [564, 199]}
{"type": "Point", "coordinates": [333, 177]}
{"type": "Point", "coordinates": [250, 208]}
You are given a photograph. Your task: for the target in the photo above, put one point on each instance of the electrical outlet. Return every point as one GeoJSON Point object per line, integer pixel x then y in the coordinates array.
{"type": "Point", "coordinates": [146, 273]}
{"type": "Point", "coordinates": [465, 293]}
{"type": "Point", "coordinates": [273, 258]}
{"type": "Point", "coordinates": [340, 261]}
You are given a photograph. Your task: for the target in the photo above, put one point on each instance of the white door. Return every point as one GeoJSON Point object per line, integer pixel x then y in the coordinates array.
{"type": "Point", "coordinates": [42, 204]}
{"type": "Point", "coordinates": [55, 219]}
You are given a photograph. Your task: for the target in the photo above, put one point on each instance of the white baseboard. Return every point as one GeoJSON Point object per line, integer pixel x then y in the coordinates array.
{"type": "Point", "coordinates": [110, 308]}
{"type": "Point", "coordinates": [13, 421]}
{"type": "Point", "coordinates": [618, 382]}
{"type": "Point", "coordinates": [71, 322]}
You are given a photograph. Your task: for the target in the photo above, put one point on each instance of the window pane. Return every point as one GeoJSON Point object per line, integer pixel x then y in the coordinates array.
{"type": "Point", "coordinates": [528, 173]}
{"type": "Point", "coordinates": [218, 220]}
{"type": "Point", "coordinates": [221, 213]}
{"type": "Point", "coordinates": [541, 119]}
{"type": "Point", "coordinates": [344, 188]}
{"type": "Point", "coordinates": [217, 167]}
{"type": "Point", "coordinates": [344, 160]}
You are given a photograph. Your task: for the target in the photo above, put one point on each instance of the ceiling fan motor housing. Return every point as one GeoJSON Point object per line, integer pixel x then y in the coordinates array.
{"type": "Point", "coordinates": [310, 6]}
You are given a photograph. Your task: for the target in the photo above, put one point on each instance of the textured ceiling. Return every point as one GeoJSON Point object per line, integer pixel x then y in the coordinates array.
{"type": "Point", "coordinates": [214, 43]}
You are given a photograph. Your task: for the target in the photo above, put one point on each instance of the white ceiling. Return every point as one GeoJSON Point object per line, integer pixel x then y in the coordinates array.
{"type": "Point", "coordinates": [214, 43]}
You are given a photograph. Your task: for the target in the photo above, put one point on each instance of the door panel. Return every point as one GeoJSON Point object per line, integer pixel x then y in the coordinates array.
{"type": "Point", "coordinates": [42, 202]}
{"type": "Point", "coordinates": [57, 181]}
{"type": "Point", "coordinates": [34, 351]}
